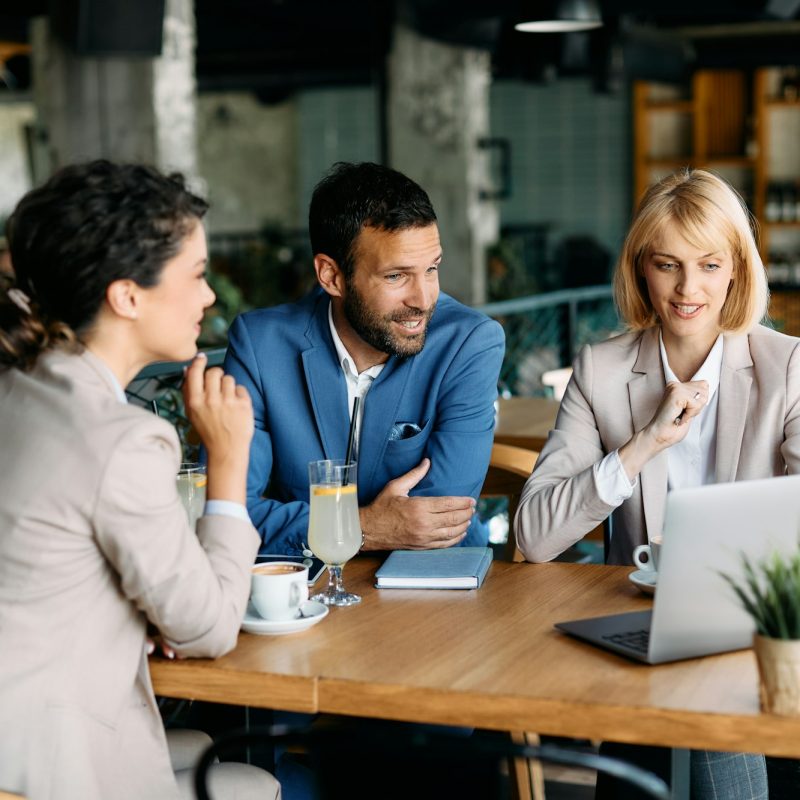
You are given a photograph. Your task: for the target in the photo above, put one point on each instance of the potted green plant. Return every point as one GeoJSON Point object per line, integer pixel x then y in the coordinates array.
{"type": "Point", "coordinates": [769, 590]}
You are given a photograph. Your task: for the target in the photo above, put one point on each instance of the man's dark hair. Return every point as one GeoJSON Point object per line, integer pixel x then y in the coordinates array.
{"type": "Point", "coordinates": [91, 224]}
{"type": "Point", "coordinates": [353, 196]}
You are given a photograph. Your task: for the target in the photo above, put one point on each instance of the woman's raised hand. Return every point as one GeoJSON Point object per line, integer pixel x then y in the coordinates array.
{"type": "Point", "coordinates": [222, 414]}
{"type": "Point", "coordinates": [680, 403]}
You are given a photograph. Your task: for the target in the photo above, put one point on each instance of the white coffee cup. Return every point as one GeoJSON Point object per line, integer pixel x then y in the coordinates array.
{"type": "Point", "coordinates": [277, 589]}
{"type": "Point", "coordinates": [645, 556]}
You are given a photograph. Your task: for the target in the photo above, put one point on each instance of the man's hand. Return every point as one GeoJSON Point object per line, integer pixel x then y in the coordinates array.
{"type": "Point", "coordinates": [395, 521]}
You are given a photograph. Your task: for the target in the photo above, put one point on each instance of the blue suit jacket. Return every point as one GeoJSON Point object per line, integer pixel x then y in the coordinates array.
{"type": "Point", "coordinates": [286, 359]}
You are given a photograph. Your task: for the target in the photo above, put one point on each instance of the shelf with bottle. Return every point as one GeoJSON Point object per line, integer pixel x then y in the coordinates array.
{"type": "Point", "coordinates": [785, 87]}
{"type": "Point", "coordinates": [705, 122]}
{"type": "Point", "coordinates": [783, 270]}
{"type": "Point", "coordinates": [782, 204]}
{"type": "Point", "coordinates": [777, 181]}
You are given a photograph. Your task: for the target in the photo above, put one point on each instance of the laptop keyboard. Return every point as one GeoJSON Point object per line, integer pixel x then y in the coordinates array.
{"type": "Point", "coordinates": [635, 640]}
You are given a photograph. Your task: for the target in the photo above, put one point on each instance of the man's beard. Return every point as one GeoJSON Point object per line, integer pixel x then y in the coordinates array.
{"type": "Point", "coordinates": [376, 330]}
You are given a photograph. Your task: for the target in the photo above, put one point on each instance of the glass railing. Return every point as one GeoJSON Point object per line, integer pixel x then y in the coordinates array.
{"type": "Point", "coordinates": [545, 331]}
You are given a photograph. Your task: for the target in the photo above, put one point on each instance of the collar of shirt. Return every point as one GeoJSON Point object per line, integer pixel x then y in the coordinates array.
{"type": "Point", "coordinates": [346, 361]}
{"type": "Point", "coordinates": [710, 370]}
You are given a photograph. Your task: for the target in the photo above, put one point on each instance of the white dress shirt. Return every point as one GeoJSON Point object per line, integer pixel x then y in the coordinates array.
{"type": "Point", "coordinates": [691, 462]}
{"type": "Point", "coordinates": [358, 383]}
{"type": "Point", "coordinates": [224, 508]}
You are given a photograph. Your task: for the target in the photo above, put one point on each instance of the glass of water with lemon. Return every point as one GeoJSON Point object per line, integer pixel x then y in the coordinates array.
{"type": "Point", "coordinates": [192, 482]}
{"type": "Point", "coordinates": [334, 528]}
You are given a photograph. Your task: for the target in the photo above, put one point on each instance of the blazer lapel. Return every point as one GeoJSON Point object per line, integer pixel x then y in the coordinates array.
{"type": "Point", "coordinates": [645, 391]}
{"type": "Point", "coordinates": [735, 382]}
{"type": "Point", "coordinates": [326, 384]}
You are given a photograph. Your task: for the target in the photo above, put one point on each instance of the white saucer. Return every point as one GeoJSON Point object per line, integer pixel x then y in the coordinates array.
{"type": "Point", "coordinates": [644, 579]}
{"type": "Point", "coordinates": [313, 612]}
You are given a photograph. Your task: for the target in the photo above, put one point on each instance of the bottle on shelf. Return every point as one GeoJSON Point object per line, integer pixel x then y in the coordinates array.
{"type": "Point", "coordinates": [788, 200]}
{"type": "Point", "coordinates": [772, 208]}
{"type": "Point", "coordinates": [750, 139]}
{"type": "Point", "coordinates": [790, 84]}
{"type": "Point", "coordinates": [797, 201]}
{"type": "Point", "coordinates": [778, 271]}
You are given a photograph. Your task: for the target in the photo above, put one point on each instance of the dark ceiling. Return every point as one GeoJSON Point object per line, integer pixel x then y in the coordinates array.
{"type": "Point", "coordinates": [274, 47]}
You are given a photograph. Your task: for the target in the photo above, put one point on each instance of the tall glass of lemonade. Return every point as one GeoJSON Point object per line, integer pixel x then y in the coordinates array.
{"type": "Point", "coordinates": [334, 528]}
{"type": "Point", "coordinates": [192, 482]}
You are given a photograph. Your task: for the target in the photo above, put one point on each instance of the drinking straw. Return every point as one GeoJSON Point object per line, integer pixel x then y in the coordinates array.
{"type": "Point", "coordinates": [350, 440]}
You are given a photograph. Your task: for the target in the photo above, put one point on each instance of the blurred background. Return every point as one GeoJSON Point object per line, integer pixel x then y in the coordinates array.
{"type": "Point", "coordinates": [534, 146]}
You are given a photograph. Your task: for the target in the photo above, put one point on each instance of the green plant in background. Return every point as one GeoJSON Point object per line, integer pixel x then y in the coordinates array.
{"type": "Point", "coordinates": [254, 270]}
{"type": "Point", "coordinates": [230, 302]}
{"type": "Point", "coordinates": [769, 591]}
{"type": "Point", "coordinates": [507, 276]}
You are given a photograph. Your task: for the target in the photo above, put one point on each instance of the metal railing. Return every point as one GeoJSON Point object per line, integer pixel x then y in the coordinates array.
{"type": "Point", "coordinates": [158, 388]}
{"type": "Point", "coordinates": [545, 331]}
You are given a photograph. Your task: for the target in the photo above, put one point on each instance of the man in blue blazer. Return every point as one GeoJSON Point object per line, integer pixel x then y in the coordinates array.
{"type": "Point", "coordinates": [424, 366]}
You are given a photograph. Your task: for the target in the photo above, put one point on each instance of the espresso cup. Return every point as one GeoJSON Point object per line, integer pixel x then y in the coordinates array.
{"type": "Point", "coordinates": [278, 588]}
{"type": "Point", "coordinates": [645, 556]}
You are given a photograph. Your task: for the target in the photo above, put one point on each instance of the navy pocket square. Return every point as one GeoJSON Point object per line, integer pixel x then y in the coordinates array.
{"type": "Point", "coordinates": [403, 430]}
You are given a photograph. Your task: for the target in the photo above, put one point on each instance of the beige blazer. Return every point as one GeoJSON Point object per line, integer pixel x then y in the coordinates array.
{"type": "Point", "coordinates": [615, 389]}
{"type": "Point", "coordinates": [93, 543]}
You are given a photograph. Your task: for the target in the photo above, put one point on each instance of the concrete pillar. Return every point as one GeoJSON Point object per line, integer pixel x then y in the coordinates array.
{"type": "Point", "coordinates": [122, 108]}
{"type": "Point", "coordinates": [438, 109]}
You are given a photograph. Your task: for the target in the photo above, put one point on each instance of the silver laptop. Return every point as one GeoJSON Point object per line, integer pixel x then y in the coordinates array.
{"type": "Point", "coordinates": [695, 612]}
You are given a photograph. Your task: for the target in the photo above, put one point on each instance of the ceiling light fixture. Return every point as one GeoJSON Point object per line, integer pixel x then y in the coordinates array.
{"type": "Point", "coordinates": [565, 16]}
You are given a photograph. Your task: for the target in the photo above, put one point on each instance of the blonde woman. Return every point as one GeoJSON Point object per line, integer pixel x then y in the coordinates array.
{"type": "Point", "coordinates": [696, 392]}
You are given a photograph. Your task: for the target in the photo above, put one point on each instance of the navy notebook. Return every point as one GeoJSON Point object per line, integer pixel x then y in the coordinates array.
{"type": "Point", "coordinates": [453, 568]}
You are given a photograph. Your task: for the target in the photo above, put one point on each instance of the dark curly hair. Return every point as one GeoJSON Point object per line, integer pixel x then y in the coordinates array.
{"type": "Point", "coordinates": [86, 227]}
{"type": "Point", "coordinates": [353, 196]}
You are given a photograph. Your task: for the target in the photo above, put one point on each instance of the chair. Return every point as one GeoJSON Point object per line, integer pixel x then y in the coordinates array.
{"type": "Point", "coordinates": [364, 759]}
{"type": "Point", "coordinates": [557, 380]}
{"type": "Point", "coordinates": [509, 468]}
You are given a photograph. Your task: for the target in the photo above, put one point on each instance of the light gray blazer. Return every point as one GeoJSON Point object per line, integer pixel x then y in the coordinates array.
{"type": "Point", "coordinates": [615, 389]}
{"type": "Point", "coordinates": [93, 543]}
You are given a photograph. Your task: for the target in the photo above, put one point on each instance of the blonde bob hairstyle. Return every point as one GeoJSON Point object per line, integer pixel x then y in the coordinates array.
{"type": "Point", "coordinates": [712, 217]}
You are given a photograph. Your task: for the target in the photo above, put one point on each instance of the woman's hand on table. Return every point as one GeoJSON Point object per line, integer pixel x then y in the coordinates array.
{"type": "Point", "coordinates": [155, 642]}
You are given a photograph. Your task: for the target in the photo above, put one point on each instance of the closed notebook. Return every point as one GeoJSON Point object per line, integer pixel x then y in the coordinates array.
{"type": "Point", "coordinates": [453, 568]}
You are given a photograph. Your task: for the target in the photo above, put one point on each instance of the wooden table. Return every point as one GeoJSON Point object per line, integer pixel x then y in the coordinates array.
{"type": "Point", "coordinates": [525, 421]}
{"type": "Point", "coordinates": [491, 659]}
